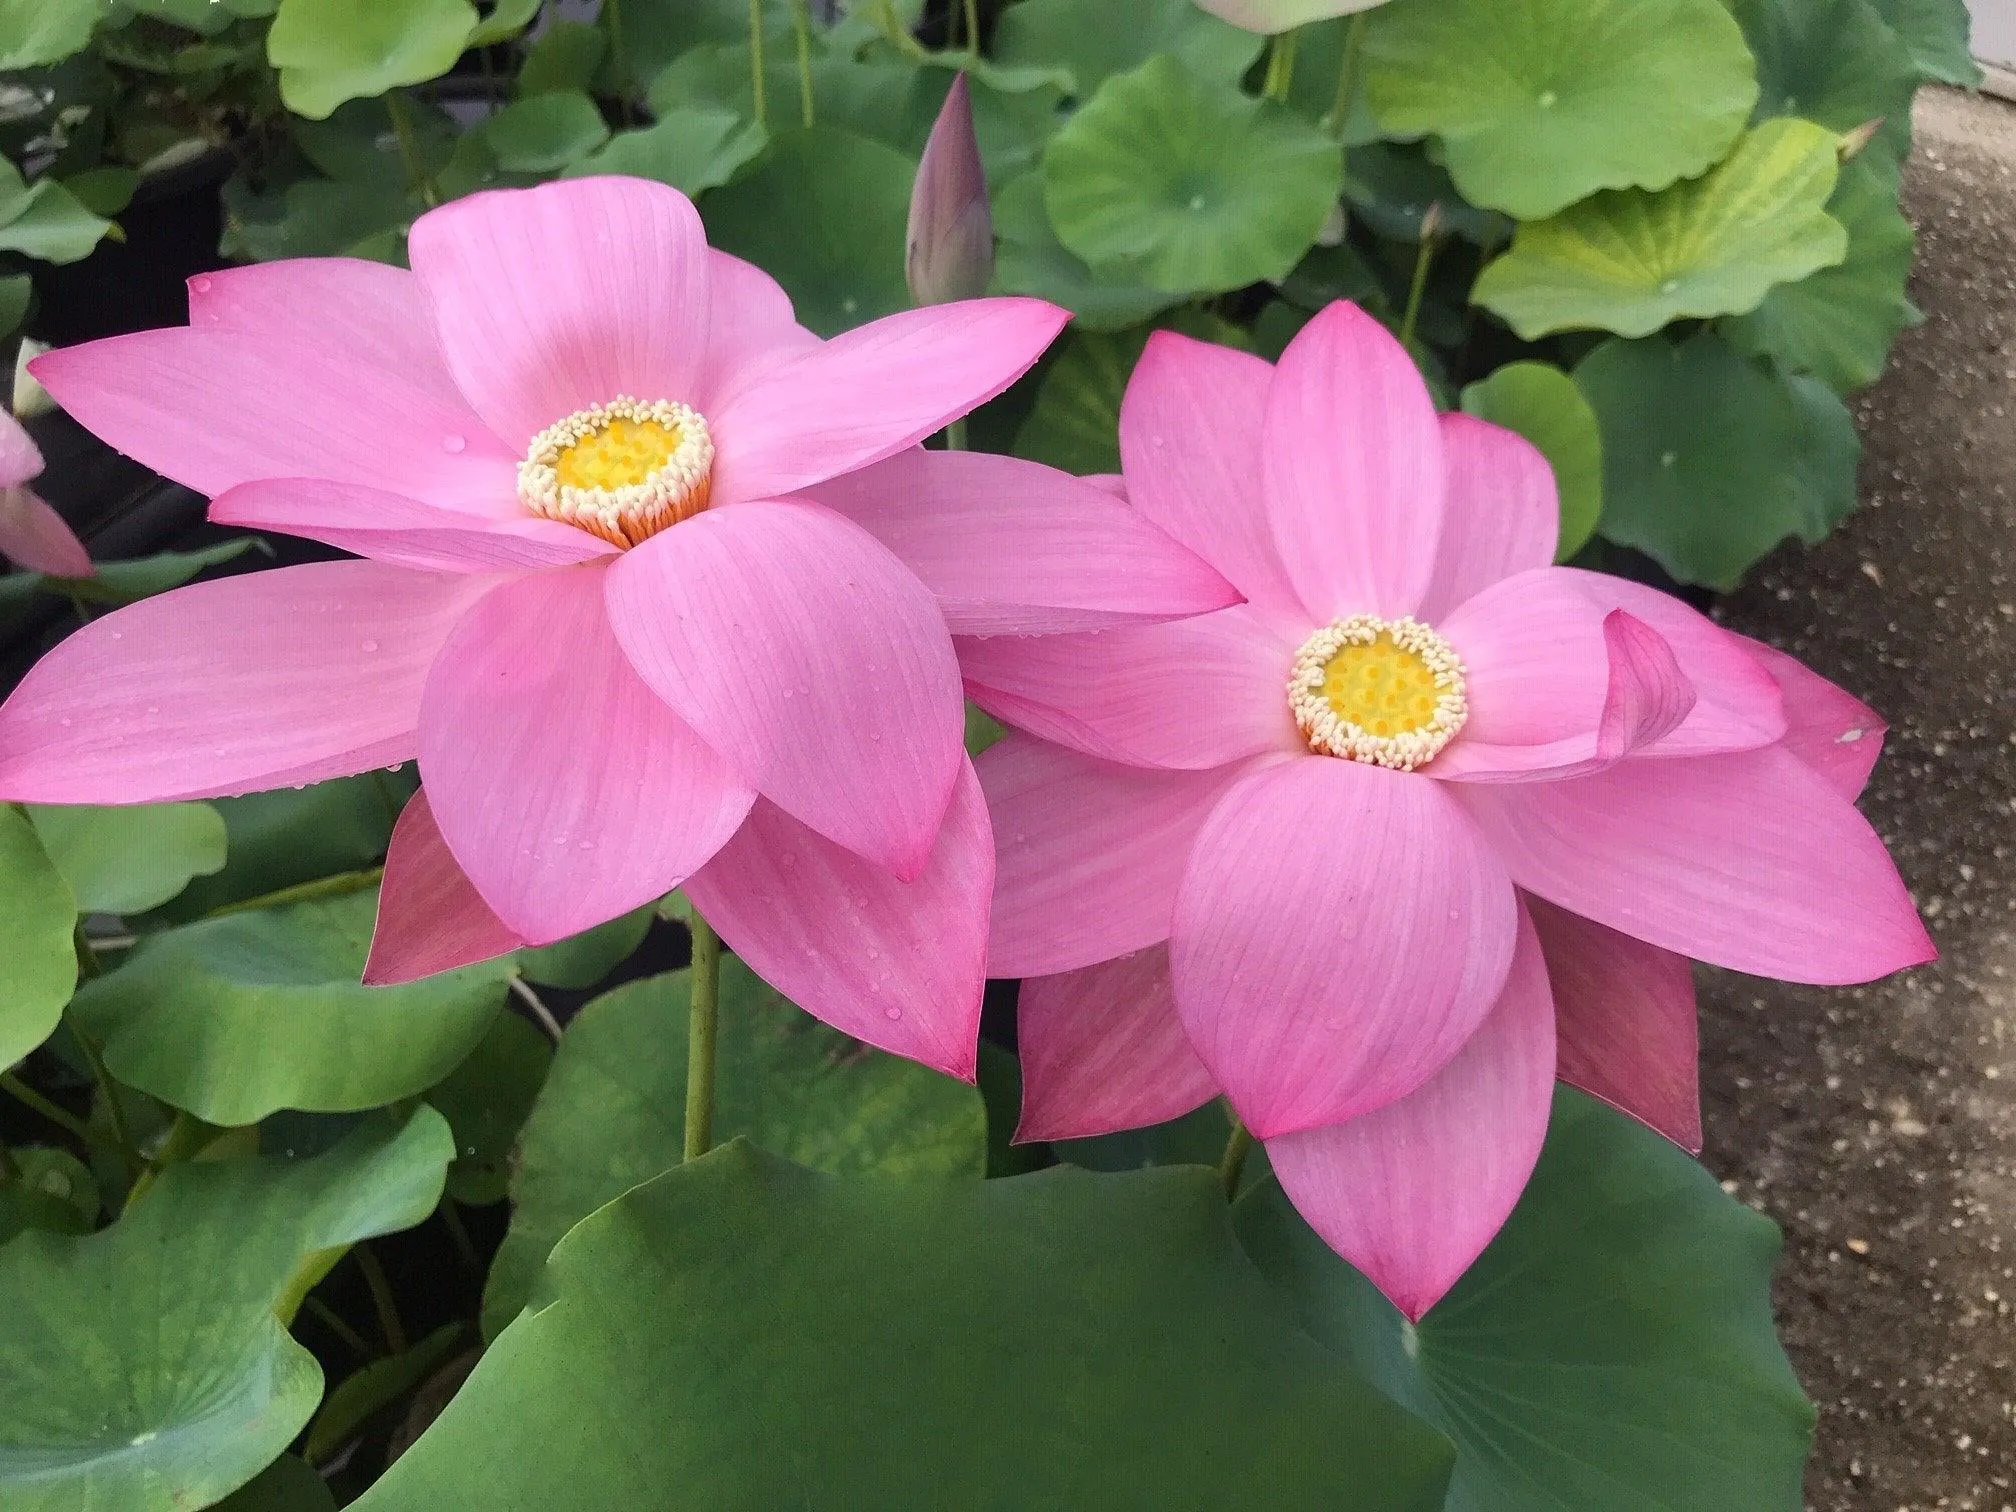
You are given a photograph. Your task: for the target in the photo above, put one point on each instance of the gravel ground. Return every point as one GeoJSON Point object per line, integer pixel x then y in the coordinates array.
{"type": "Point", "coordinates": [1878, 1124]}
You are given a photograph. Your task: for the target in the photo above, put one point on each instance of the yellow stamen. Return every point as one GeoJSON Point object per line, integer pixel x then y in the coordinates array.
{"type": "Point", "coordinates": [1388, 692]}
{"type": "Point", "coordinates": [623, 470]}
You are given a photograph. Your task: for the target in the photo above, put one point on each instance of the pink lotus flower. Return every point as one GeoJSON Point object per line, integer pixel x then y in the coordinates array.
{"type": "Point", "coordinates": [1423, 824]}
{"type": "Point", "coordinates": [32, 535]}
{"type": "Point", "coordinates": [948, 249]}
{"type": "Point", "coordinates": [657, 588]}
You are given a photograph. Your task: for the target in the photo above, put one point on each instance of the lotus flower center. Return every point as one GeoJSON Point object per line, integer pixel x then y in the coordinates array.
{"type": "Point", "coordinates": [1384, 691]}
{"type": "Point", "coordinates": [623, 470]}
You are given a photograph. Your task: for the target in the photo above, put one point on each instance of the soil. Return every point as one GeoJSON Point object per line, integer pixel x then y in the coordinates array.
{"type": "Point", "coordinates": [1878, 1124]}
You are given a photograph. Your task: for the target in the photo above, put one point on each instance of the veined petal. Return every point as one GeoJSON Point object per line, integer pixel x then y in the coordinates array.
{"type": "Point", "coordinates": [261, 681]}
{"type": "Point", "coordinates": [20, 457]}
{"type": "Point", "coordinates": [553, 299]}
{"type": "Point", "coordinates": [1190, 426]}
{"type": "Point", "coordinates": [1625, 1021]}
{"type": "Point", "coordinates": [1103, 1049]}
{"type": "Point", "coordinates": [899, 965]}
{"type": "Point", "coordinates": [1411, 1194]}
{"type": "Point", "coordinates": [216, 407]}
{"type": "Point", "coordinates": [751, 328]}
{"type": "Point", "coordinates": [430, 916]}
{"type": "Point", "coordinates": [1351, 462]}
{"type": "Point", "coordinates": [37, 539]}
{"type": "Point", "coordinates": [405, 532]}
{"type": "Point", "coordinates": [1090, 853]}
{"type": "Point", "coordinates": [1828, 728]}
{"type": "Point", "coordinates": [811, 658]}
{"type": "Point", "coordinates": [1340, 931]}
{"type": "Point", "coordinates": [567, 792]}
{"type": "Point", "coordinates": [1749, 860]}
{"type": "Point", "coordinates": [873, 391]}
{"type": "Point", "coordinates": [1015, 548]}
{"type": "Point", "coordinates": [1192, 693]}
{"type": "Point", "coordinates": [1501, 515]}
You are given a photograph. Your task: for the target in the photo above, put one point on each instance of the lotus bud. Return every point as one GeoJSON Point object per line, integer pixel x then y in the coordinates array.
{"type": "Point", "coordinates": [1271, 17]}
{"type": "Point", "coordinates": [949, 253]}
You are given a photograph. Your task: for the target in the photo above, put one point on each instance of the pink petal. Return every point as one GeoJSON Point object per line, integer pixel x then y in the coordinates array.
{"type": "Point", "coordinates": [1102, 1049]}
{"type": "Point", "coordinates": [1193, 693]}
{"type": "Point", "coordinates": [1340, 931]}
{"type": "Point", "coordinates": [1016, 548]}
{"type": "Point", "coordinates": [37, 539]}
{"type": "Point", "coordinates": [897, 964]}
{"type": "Point", "coordinates": [1190, 443]}
{"type": "Point", "coordinates": [1828, 728]}
{"type": "Point", "coordinates": [553, 299]}
{"type": "Point", "coordinates": [214, 408]}
{"type": "Point", "coordinates": [231, 686]}
{"type": "Point", "coordinates": [811, 658]}
{"type": "Point", "coordinates": [1624, 1017]}
{"type": "Point", "coordinates": [20, 457]}
{"type": "Point", "coordinates": [405, 532]}
{"type": "Point", "coordinates": [1501, 515]}
{"type": "Point", "coordinates": [1090, 854]}
{"type": "Point", "coordinates": [566, 790]}
{"type": "Point", "coordinates": [1539, 675]}
{"type": "Point", "coordinates": [1648, 696]}
{"type": "Point", "coordinates": [430, 916]}
{"type": "Point", "coordinates": [948, 250]}
{"type": "Point", "coordinates": [1351, 462]}
{"type": "Point", "coordinates": [872, 392]}
{"type": "Point", "coordinates": [1412, 1194]}
{"type": "Point", "coordinates": [1749, 860]}
{"type": "Point", "coordinates": [370, 311]}
{"type": "Point", "coordinates": [751, 328]}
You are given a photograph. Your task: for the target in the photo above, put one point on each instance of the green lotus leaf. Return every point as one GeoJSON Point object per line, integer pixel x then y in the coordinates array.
{"type": "Point", "coordinates": [48, 1189]}
{"type": "Point", "coordinates": [1542, 404]}
{"type": "Point", "coordinates": [329, 51]}
{"type": "Point", "coordinates": [692, 149]}
{"type": "Point", "coordinates": [45, 220]}
{"type": "Point", "coordinates": [1612, 1350]}
{"type": "Point", "coordinates": [839, 252]}
{"type": "Point", "coordinates": [742, 1333]}
{"type": "Point", "coordinates": [608, 1116]}
{"type": "Point", "coordinates": [1094, 42]}
{"type": "Point", "coordinates": [564, 56]}
{"type": "Point", "coordinates": [127, 860]}
{"type": "Point", "coordinates": [656, 32]}
{"type": "Point", "coordinates": [16, 290]}
{"type": "Point", "coordinates": [584, 959]}
{"type": "Point", "coordinates": [1711, 458]}
{"type": "Point", "coordinates": [286, 1485]}
{"type": "Point", "coordinates": [1200, 187]}
{"type": "Point", "coordinates": [1838, 324]}
{"type": "Point", "coordinates": [1541, 104]}
{"type": "Point", "coordinates": [504, 20]}
{"type": "Point", "coordinates": [38, 959]}
{"type": "Point", "coordinates": [371, 1388]}
{"type": "Point", "coordinates": [1935, 33]}
{"type": "Point", "coordinates": [1831, 61]}
{"type": "Point", "coordinates": [142, 577]}
{"type": "Point", "coordinates": [1030, 260]}
{"type": "Point", "coordinates": [143, 1367]}
{"type": "Point", "coordinates": [234, 1017]}
{"type": "Point", "coordinates": [36, 33]}
{"type": "Point", "coordinates": [1631, 261]}
{"type": "Point", "coordinates": [545, 132]}
{"type": "Point", "coordinates": [486, 1101]}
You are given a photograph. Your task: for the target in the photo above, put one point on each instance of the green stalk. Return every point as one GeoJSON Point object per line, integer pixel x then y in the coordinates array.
{"type": "Point", "coordinates": [1233, 1162]}
{"type": "Point", "coordinates": [1347, 77]}
{"type": "Point", "coordinates": [60, 1116]}
{"type": "Point", "coordinates": [702, 1028]}
{"type": "Point", "coordinates": [972, 28]}
{"type": "Point", "coordinates": [1419, 286]}
{"type": "Point", "coordinates": [801, 29]}
{"type": "Point", "coordinates": [619, 58]}
{"type": "Point", "coordinates": [333, 1321]}
{"type": "Point", "coordinates": [381, 1298]}
{"type": "Point", "coordinates": [409, 151]}
{"type": "Point", "coordinates": [337, 886]}
{"type": "Point", "coordinates": [1281, 65]}
{"type": "Point", "coordinates": [955, 434]}
{"type": "Point", "coordinates": [756, 60]}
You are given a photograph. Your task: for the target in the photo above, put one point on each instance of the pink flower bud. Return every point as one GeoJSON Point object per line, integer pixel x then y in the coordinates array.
{"type": "Point", "coordinates": [32, 535]}
{"type": "Point", "coordinates": [949, 252]}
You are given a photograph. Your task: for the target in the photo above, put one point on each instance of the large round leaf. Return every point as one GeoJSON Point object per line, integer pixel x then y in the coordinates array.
{"type": "Point", "coordinates": [1032, 261]}
{"type": "Point", "coordinates": [1630, 261]}
{"type": "Point", "coordinates": [742, 1333]}
{"type": "Point", "coordinates": [825, 214]}
{"type": "Point", "coordinates": [142, 1367]}
{"type": "Point", "coordinates": [584, 959]}
{"type": "Point", "coordinates": [691, 149]}
{"type": "Point", "coordinates": [48, 1189]}
{"type": "Point", "coordinates": [329, 51]}
{"type": "Point", "coordinates": [128, 860]}
{"type": "Point", "coordinates": [1542, 404]}
{"type": "Point", "coordinates": [1838, 324]}
{"type": "Point", "coordinates": [1094, 42]}
{"type": "Point", "coordinates": [545, 132]}
{"type": "Point", "coordinates": [38, 961]}
{"type": "Point", "coordinates": [232, 1018]}
{"type": "Point", "coordinates": [1710, 458]}
{"type": "Point", "coordinates": [486, 1101]}
{"type": "Point", "coordinates": [1934, 32]}
{"type": "Point", "coordinates": [609, 1114]}
{"type": "Point", "coordinates": [1612, 1350]}
{"type": "Point", "coordinates": [1541, 104]}
{"type": "Point", "coordinates": [1831, 61]}
{"type": "Point", "coordinates": [35, 33]}
{"type": "Point", "coordinates": [286, 1485]}
{"type": "Point", "coordinates": [1202, 187]}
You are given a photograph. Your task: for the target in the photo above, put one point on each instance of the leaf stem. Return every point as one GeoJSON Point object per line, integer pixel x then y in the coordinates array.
{"type": "Point", "coordinates": [1422, 259]}
{"type": "Point", "coordinates": [973, 28]}
{"type": "Point", "coordinates": [1281, 65]}
{"type": "Point", "coordinates": [336, 886]}
{"type": "Point", "coordinates": [1233, 1161]}
{"type": "Point", "coordinates": [417, 175]}
{"type": "Point", "coordinates": [702, 1026]}
{"type": "Point", "coordinates": [955, 434]}
{"type": "Point", "coordinates": [186, 1137]}
{"type": "Point", "coordinates": [619, 59]}
{"type": "Point", "coordinates": [381, 1299]}
{"type": "Point", "coordinates": [801, 29]}
{"type": "Point", "coordinates": [1338, 120]}
{"type": "Point", "coordinates": [129, 1152]}
{"type": "Point", "coordinates": [333, 1321]}
{"type": "Point", "coordinates": [756, 61]}
{"type": "Point", "coordinates": [522, 990]}
{"type": "Point", "coordinates": [458, 1232]}
{"type": "Point", "coordinates": [60, 1116]}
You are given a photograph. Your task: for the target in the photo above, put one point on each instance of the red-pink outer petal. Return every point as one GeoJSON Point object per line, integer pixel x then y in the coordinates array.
{"type": "Point", "coordinates": [1827, 727]}
{"type": "Point", "coordinates": [430, 916]}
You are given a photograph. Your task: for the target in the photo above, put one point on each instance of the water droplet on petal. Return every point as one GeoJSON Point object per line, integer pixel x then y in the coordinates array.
{"type": "Point", "coordinates": [369, 646]}
{"type": "Point", "coordinates": [453, 444]}
{"type": "Point", "coordinates": [892, 1013]}
{"type": "Point", "coordinates": [200, 285]}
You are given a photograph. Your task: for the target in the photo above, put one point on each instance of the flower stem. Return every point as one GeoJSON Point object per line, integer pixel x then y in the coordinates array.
{"type": "Point", "coordinates": [972, 28]}
{"type": "Point", "coordinates": [331, 1320]}
{"type": "Point", "coordinates": [1281, 65]}
{"type": "Point", "coordinates": [801, 29]}
{"type": "Point", "coordinates": [417, 175]}
{"type": "Point", "coordinates": [1419, 286]}
{"type": "Point", "coordinates": [337, 886]}
{"type": "Point", "coordinates": [129, 1152]}
{"type": "Point", "coordinates": [955, 434]}
{"type": "Point", "coordinates": [381, 1298]}
{"type": "Point", "coordinates": [756, 61]}
{"type": "Point", "coordinates": [1233, 1161]}
{"type": "Point", "coordinates": [60, 1116]}
{"type": "Point", "coordinates": [619, 58]}
{"type": "Point", "coordinates": [1339, 119]}
{"type": "Point", "coordinates": [702, 1025]}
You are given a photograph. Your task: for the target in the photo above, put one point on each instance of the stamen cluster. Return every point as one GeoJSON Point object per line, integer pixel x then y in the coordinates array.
{"type": "Point", "coordinates": [630, 510]}
{"type": "Point", "coordinates": [1331, 730]}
